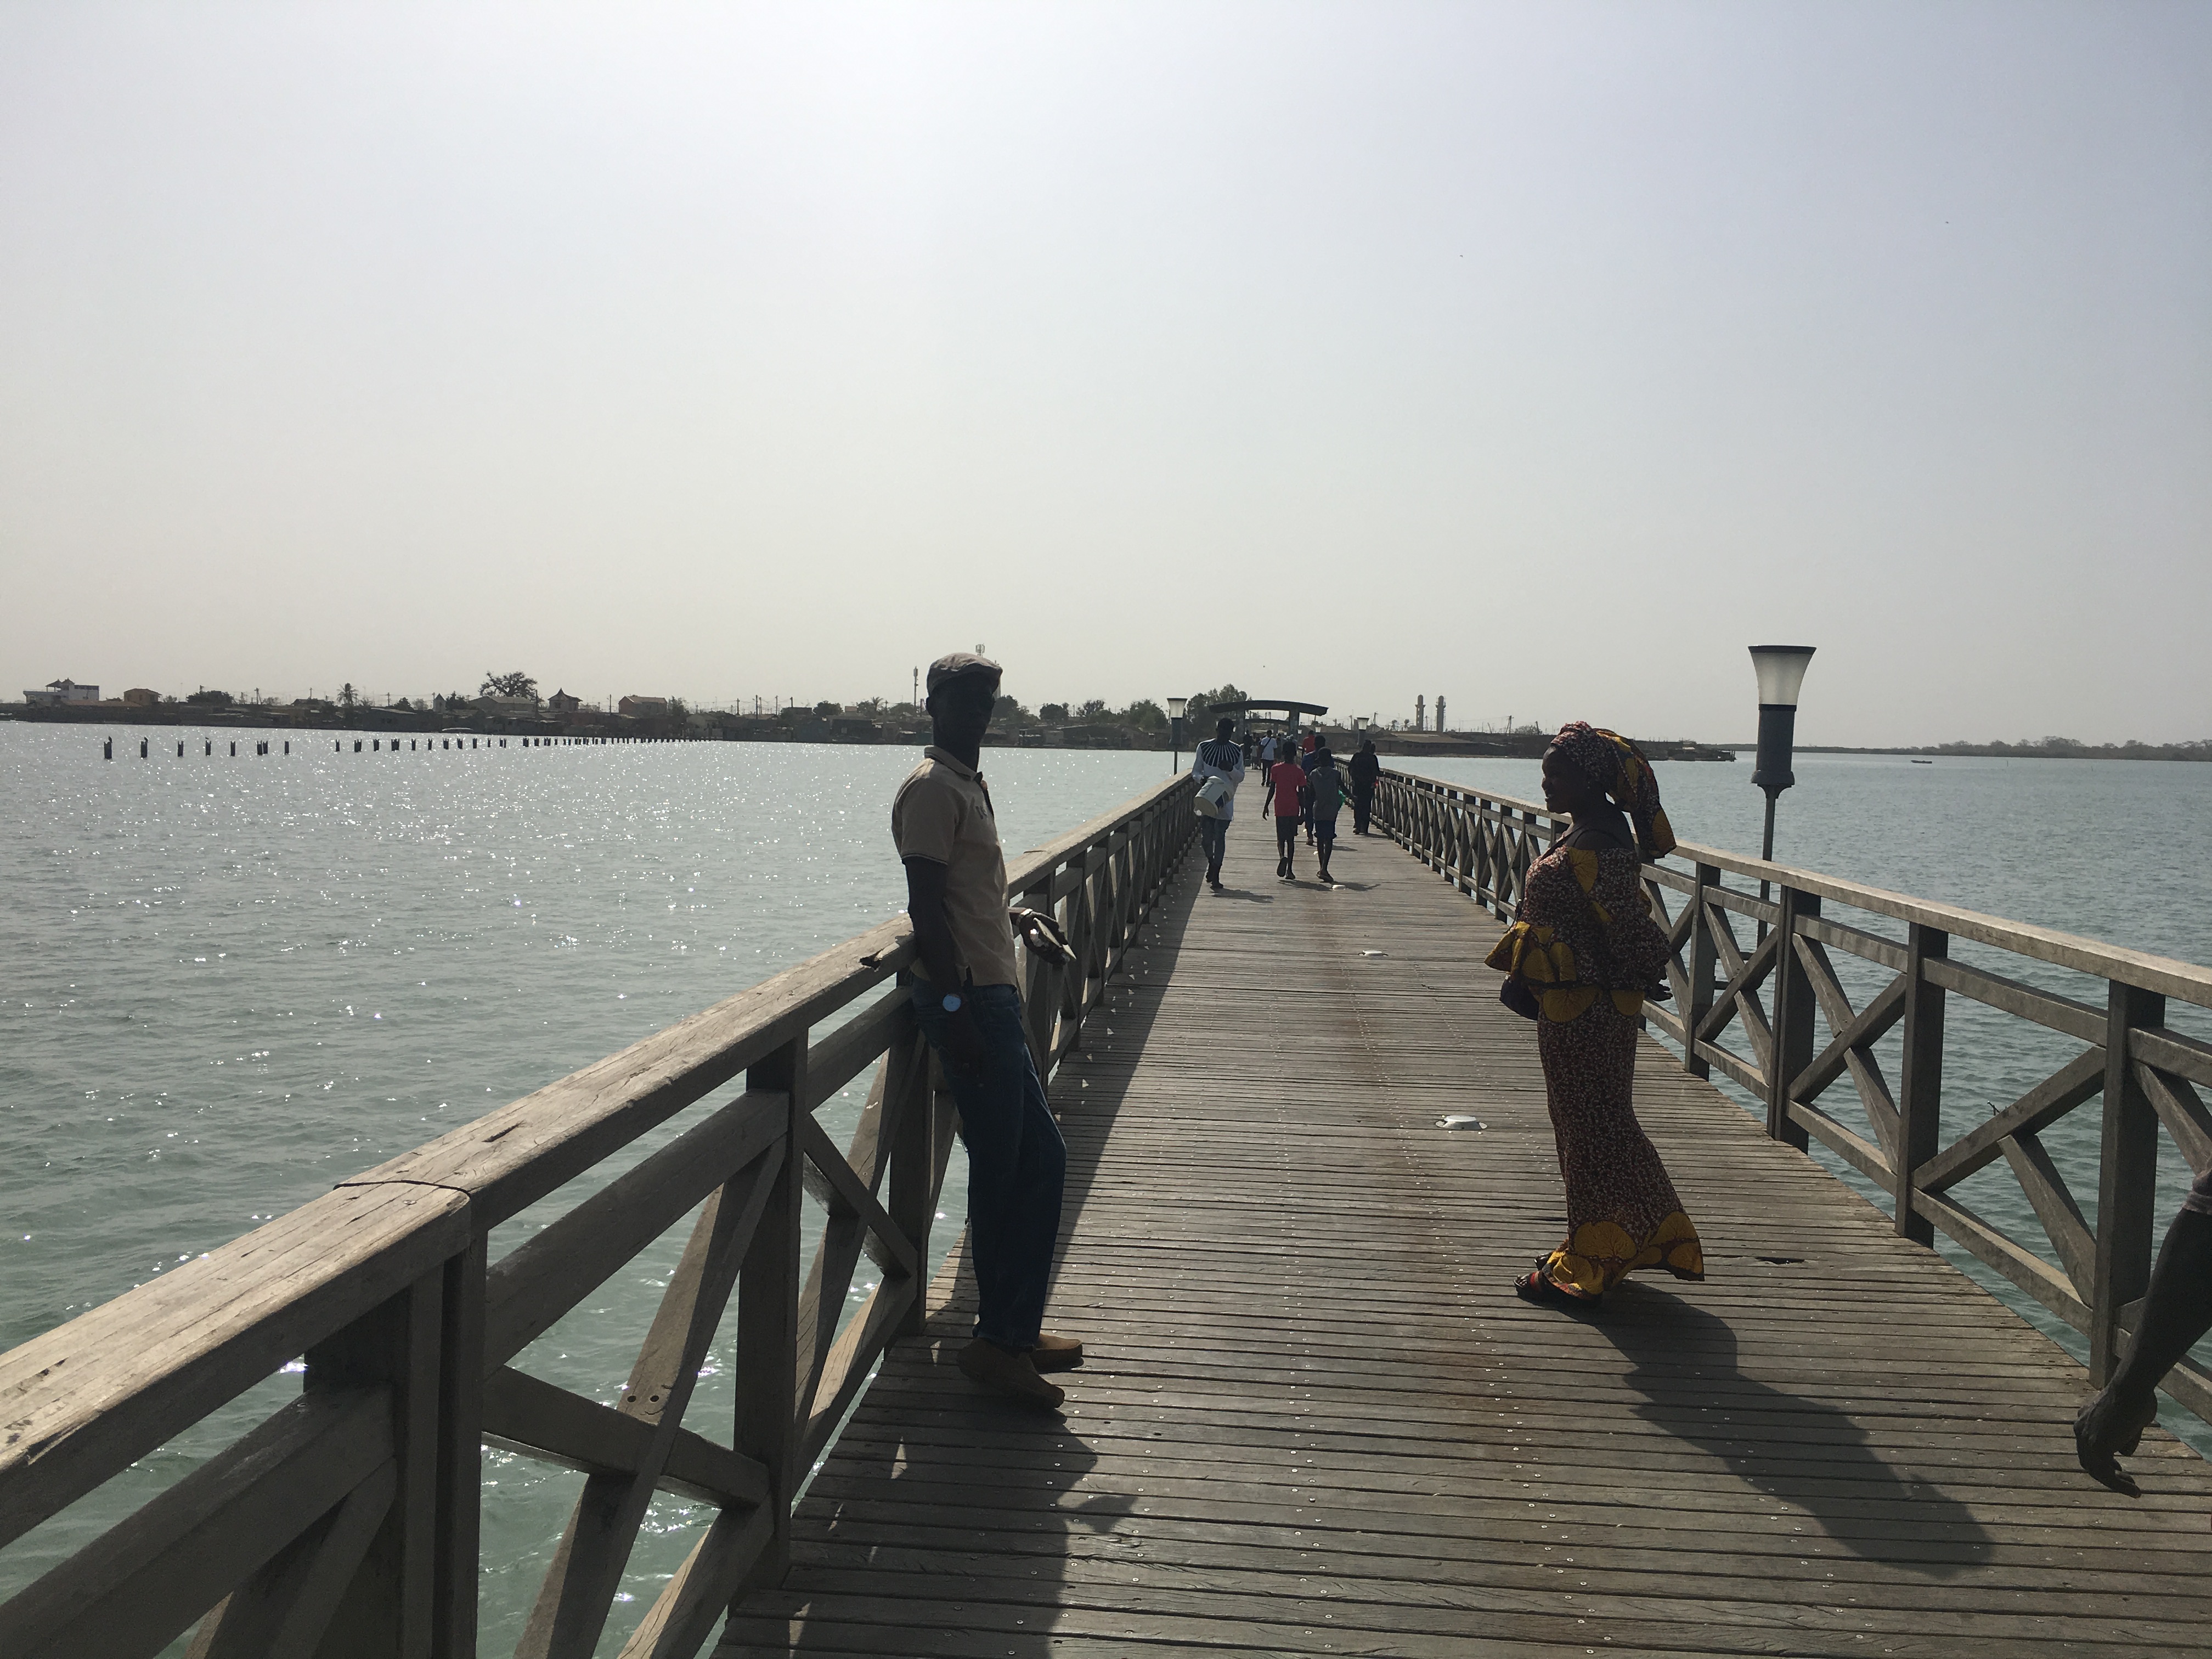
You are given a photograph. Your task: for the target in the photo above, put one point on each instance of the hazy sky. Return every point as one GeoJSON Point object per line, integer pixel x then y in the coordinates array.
{"type": "Point", "coordinates": [1543, 356]}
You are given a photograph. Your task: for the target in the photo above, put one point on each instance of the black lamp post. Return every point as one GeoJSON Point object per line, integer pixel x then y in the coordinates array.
{"type": "Point", "coordinates": [1781, 670]}
{"type": "Point", "coordinates": [1175, 706]}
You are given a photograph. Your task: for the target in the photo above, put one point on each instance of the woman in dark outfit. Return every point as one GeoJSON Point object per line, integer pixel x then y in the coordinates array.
{"type": "Point", "coordinates": [1580, 960]}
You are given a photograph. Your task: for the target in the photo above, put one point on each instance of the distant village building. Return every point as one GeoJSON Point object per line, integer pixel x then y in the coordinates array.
{"type": "Point", "coordinates": [561, 703]}
{"type": "Point", "coordinates": [506, 708]}
{"type": "Point", "coordinates": [64, 691]}
{"type": "Point", "coordinates": [643, 708]}
{"type": "Point", "coordinates": [141, 696]}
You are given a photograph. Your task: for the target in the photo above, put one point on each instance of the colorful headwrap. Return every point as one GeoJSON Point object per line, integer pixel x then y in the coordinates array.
{"type": "Point", "coordinates": [1617, 766]}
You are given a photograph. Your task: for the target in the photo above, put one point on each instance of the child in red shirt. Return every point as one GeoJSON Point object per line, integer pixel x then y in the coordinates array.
{"type": "Point", "coordinates": [1286, 783]}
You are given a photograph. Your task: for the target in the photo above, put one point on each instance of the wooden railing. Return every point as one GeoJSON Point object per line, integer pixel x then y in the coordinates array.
{"type": "Point", "coordinates": [1795, 1033]}
{"type": "Point", "coordinates": [347, 1522]}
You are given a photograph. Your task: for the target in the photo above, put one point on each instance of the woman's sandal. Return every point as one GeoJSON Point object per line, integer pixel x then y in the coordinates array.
{"type": "Point", "coordinates": [1539, 1286]}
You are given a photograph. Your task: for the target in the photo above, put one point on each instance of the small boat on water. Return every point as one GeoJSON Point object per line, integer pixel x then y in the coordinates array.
{"type": "Point", "coordinates": [1923, 763]}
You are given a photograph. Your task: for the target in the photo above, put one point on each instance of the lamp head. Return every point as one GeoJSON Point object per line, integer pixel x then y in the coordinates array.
{"type": "Point", "coordinates": [1781, 670]}
{"type": "Point", "coordinates": [1175, 706]}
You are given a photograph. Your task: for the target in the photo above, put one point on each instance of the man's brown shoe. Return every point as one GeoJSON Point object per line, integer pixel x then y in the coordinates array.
{"type": "Point", "coordinates": [1056, 1353]}
{"type": "Point", "coordinates": [1009, 1373]}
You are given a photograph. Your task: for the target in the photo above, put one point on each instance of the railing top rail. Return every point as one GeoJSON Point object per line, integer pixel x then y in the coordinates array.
{"type": "Point", "coordinates": [2167, 975]}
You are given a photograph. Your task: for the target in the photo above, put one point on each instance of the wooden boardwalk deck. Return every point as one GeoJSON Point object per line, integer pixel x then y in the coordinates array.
{"type": "Point", "coordinates": [1314, 1419]}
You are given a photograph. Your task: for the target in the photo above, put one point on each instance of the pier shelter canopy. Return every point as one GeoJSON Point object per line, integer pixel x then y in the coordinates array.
{"type": "Point", "coordinates": [1261, 712]}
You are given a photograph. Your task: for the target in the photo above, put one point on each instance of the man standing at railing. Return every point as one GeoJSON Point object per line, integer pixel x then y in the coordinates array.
{"type": "Point", "coordinates": [1220, 757]}
{"type": "Point", "coordinates": [966, 1001]}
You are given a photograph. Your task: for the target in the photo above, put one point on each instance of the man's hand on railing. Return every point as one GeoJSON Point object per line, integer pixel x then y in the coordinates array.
{"type": "Point", "coordinates": [1041, 934]}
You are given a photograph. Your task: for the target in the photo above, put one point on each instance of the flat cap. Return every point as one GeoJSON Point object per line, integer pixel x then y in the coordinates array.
{"type": "Point", "coordinates": [960, 665]}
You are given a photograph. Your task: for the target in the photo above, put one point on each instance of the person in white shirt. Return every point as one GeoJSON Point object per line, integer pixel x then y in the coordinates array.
{"type": "Point", "coordinates": [1220, 757]}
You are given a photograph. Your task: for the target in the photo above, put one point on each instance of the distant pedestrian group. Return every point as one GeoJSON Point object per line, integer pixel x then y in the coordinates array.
{"type": "Point", "coordinates": [1305, 791]}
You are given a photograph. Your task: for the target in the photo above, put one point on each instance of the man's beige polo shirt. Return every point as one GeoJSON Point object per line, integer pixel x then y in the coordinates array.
{"type": "Point", "coordinates": [943, 812]}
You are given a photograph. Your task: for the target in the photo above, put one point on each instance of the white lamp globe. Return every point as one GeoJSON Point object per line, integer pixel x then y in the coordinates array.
{"type": "Point", "coordinates": [1781, 670]}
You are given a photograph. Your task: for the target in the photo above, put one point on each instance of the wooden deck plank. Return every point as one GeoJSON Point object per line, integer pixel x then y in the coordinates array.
{"type": "Point", "coordinates": [1316, 1420]}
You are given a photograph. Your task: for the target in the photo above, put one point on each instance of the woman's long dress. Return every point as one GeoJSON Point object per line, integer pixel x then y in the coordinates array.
{"type": "Point", "coordinates": [1586, 945]}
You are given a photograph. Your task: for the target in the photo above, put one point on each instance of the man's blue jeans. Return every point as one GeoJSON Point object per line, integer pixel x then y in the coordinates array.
{"type": "Point", "coordinates": [1017, 1163]}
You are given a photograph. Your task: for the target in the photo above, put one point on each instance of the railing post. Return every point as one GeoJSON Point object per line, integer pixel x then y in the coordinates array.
{"type": "Point", "coordinates": [1792, 1051]}
{"type": "Point", "coordinates": [767, 1371]}
{"type": "Point", "coordinates": [387, 1610]}
{"type": "Point", "coordinates": [1702, 958]}
{"type": "Point", "coordinates": [908, 1201]}
{"type": "Point", "coordinates": [2127, 1179]}
{"type": "Point", "coordinates": [1485, 868]}
{"type": "Point", "coordinates": [461, 1453]}
{"type": "Point", "coordinates": [1040, 994]}
{"type": "Point", "coordinates": [1920, 1100]}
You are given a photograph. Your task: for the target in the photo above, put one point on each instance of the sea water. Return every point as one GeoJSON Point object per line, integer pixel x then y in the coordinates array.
{"type": "Point", "coordinates": [227, 984]}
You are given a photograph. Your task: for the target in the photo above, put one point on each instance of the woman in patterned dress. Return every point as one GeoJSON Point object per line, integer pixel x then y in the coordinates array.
{"type": "Point", "coordinates": [1580, 959]}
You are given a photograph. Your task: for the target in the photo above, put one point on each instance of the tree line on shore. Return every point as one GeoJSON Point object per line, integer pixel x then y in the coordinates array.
{"type": "Point", "coordinates": [668, 715]}
{"type": "Point", "coordinates": [2198, 749]}
{"type": "Point", "coordinates": [1142, 715]}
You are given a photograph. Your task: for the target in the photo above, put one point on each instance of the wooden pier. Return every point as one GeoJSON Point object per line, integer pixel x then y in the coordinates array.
{"type": "Point", "coordinates": [1313, 1419]}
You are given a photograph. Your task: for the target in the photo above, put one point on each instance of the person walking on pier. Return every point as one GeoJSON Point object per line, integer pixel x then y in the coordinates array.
{"type": "Point", "coordinates": [1326, 789]}
{"type": "Point", "coordinates": [1306, 750]}
{"type": "Point", "coordinates": [1580, 960]}
{"type": "Point", "coordinates": [1219, 757]}
{"type": "Point", "coordinates": [1365, 769]}
{"type": "Point", "coordinates": [2176, 1312]}
{"type": "Point", "coordinates": [966, 1002]}
{"type": "Point", "coordinates": [1287, 788]}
